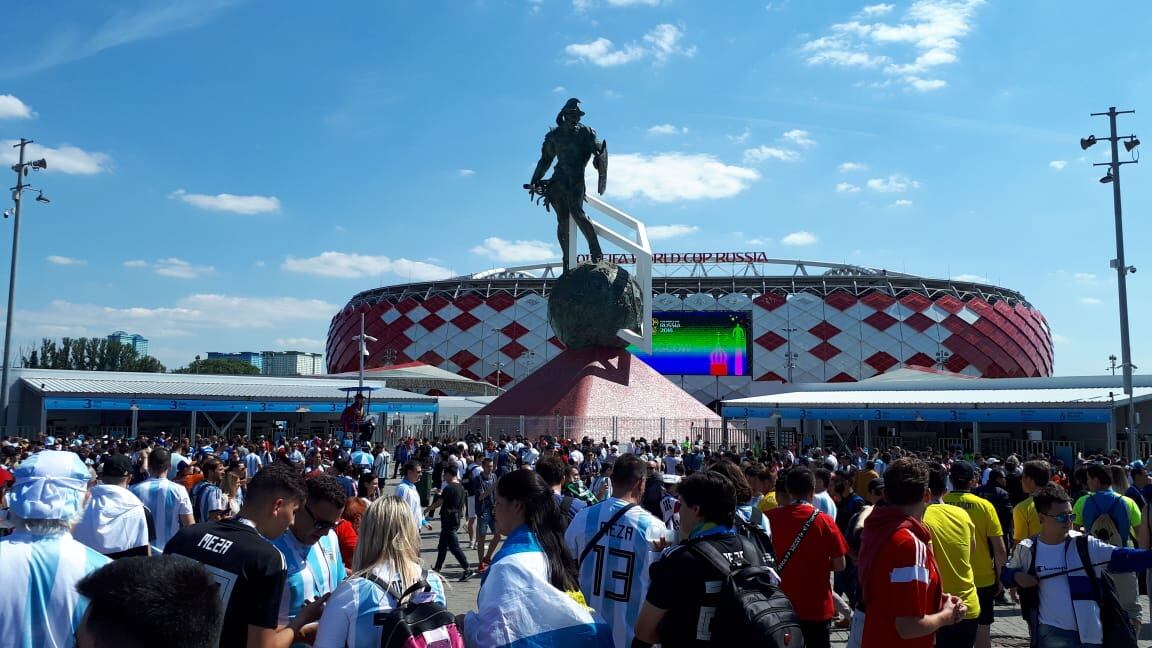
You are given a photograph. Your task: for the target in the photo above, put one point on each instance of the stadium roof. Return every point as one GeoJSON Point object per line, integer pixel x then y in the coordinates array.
{"type": "Point", "coordinates": [94, 383]}
{"type": "Point", "coordinates": [934, 389]}
{"type": "Point", "coordinates": [422, 377]}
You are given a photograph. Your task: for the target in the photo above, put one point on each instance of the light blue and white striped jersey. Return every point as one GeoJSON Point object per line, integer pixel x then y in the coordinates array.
{"type": "Point", "coordinates": [253, 463]}
{"type": "Point", "coordinates": [207, 497]}
{"type": "Point", "coordinates": [313, 570]}
{"type": "Point", "coordinates": [167, 501]}
{"type": "Point", "coordinates": [614, 576]}
{"type": "Point", "coordinates": [347, 619]}
{"type": "Point", "coordinates": [176, 458]}
{"type": "Point", "coordinates": [39, 606]}
{"type": "Point", "coordinates": [407, 491]}
{"type": "Point", "coordinates": [745, 513]}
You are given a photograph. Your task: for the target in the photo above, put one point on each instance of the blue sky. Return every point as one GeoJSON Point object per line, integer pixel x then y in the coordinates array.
{"type": "Point", "coordinates": [225, 174]}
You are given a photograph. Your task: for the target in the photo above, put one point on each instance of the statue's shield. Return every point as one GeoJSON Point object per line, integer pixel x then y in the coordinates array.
{"type": "Point", "coordinates": [601, 164]}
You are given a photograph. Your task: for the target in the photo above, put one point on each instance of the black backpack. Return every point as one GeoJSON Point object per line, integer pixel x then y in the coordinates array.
{"type": "Point", "coordinates": [415, 625]}
{"type": "Point", "coordinates": [753, 611]}
{"type": "Point", "coordinates": [1118, 632]}
{"type": "Point", "coordinates": [756, 534]}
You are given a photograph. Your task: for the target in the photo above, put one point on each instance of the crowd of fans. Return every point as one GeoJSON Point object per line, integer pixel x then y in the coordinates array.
{"type": "Point", "coordinates": [282, 542]}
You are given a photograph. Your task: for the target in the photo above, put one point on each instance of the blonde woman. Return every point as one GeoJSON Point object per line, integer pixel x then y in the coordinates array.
{"type": "Point", "coordinates": [232, 485]}
{"type": "Point", "coordinates": [388, 551]}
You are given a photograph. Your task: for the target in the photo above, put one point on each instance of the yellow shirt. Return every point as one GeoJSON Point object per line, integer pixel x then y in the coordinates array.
{"type": "Point", "coordinates": [863, 478]}
{"type": "Point", "coordinates": [768, 502]}
{"type": "Point", "coordinates": [953, 536]}
{"type": "Point", "coordinates": [1025, 520]}
{"type": "Point", "coordinates": [983, 515]}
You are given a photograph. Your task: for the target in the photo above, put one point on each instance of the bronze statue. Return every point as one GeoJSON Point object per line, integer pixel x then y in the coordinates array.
{"type": "Point", "coordinates": [572, 144]}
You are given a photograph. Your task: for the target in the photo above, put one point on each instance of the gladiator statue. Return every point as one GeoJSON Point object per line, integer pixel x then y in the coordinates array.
{"type": "Point", "coordinates": [572, 144]}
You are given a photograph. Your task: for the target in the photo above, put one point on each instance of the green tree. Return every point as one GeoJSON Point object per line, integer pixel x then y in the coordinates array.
{"type": "Point", "coordinates": [220, 367]}
{"type": "Point", "coordinates": [89, 354]}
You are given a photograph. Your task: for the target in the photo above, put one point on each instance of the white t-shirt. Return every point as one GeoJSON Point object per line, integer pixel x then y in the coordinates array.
{"type": "Point", "coordinates": [670, 463]}
{"type": "Point", "coordinates": [411, 497]}
{"type": "Point", "coordinates": [576, 457]}
{"type": "Point", "coordinates": [1055, 595]}
{"type": "Point", "coordinates": [614, 576]}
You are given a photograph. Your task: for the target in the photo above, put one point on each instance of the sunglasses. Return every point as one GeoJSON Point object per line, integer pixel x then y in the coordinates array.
{"type": "Point", "coordinates": [1063, 518]}
{"type": "Point", "coordinates": [320, 525]}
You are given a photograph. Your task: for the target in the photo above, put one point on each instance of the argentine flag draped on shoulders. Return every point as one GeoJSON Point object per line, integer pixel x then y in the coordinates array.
{"type": "Point", "coordinates": [519, 608]}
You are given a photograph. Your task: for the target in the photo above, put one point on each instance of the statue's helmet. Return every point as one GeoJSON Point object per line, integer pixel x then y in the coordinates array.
{"type": "Point", "coordinates": [572, 106]}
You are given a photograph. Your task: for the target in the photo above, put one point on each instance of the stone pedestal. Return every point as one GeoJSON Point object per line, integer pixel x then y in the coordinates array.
{"type": "Point", "coordinates": [591, 302]}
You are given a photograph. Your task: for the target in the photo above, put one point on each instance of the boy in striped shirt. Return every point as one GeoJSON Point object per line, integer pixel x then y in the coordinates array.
{"type": "Point", "coordinates": [168, 501]}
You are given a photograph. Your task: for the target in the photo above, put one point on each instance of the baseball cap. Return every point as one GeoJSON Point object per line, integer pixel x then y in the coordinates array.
{"type": "Point", "coordinates": [116, 465]}
{"type": "Point", "coordinates": [962, 471]}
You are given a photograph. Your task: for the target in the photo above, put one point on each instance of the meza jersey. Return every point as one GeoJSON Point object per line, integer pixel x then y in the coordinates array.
{"type": "Point", "coordinates": [614, 575]}
{"type": "Point", "coordinates": [248, 569]}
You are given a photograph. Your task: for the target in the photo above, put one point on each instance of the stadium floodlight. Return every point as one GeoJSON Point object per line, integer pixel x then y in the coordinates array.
{"type": "Point", "coordinates": [1107, 178]}
{"type": "Point", "coordinates": [41, 198]}
{"type": "Point", "coordinates": [1087, 142]}
{"type": "Point", "coordinates": [1131, 143]}
{"type": "Point", "coordinates": [39, 164]}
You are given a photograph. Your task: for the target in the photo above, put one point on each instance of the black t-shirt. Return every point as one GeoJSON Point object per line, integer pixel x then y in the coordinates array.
{"type": "Point", "coordinates": [249, 570]}
{"type": "Point", "coordinates": [452, 498]}
{"type": "Point", "coordinates": [682, 583]}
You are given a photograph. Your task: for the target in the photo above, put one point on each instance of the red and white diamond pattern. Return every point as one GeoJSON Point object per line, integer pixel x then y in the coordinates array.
{"type": "Point", "coordinates": [836, 337]}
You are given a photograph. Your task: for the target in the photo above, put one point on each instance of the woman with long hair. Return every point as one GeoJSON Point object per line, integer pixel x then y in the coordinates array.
{"type": "Point", "coordinates": [531, 588]}
{"type": "Point", "coordinates": [387, 552]}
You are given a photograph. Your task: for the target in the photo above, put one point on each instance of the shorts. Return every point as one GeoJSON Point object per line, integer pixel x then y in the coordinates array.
{"type": "Point", "coordinates": [987, 598]}
{"type": "Point", "coordinates": [485, 525]}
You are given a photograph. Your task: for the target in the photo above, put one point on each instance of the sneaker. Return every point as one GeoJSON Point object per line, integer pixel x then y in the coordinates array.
{"type": "Point", "coordinates": [468, 574]}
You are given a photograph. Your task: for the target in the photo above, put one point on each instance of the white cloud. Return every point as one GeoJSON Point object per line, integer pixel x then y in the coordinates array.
{"type": "Point", "coordinates": [661, 43]}
{"type": "Point", "coordinates": [604, 53]}
{"type": "Point", "coordinates": [926, 38]}
{"type": "Point", "coordinates": [505, 251]}
{"type": "Point", "coordinates": [666, 129]}
{"type": "Point", "coordinates": [669, 177]}
{"type": "Point", "coordinates": [763, 153]}
{"type": "Point", "coordinates": [1090, 301]}
{"type": "Point", "coordinates": [464, 173]}
{"type": "Point", "coordinates": [1058, 164]}
{"type": "Point", "coordinates": [559, 89]}
{"type": "Point", "coordinates": [846, 187]}
{"type": "Point", "coordinates": [12, 108]}
{"type": "Point", "coordinates": [742, 138]}
{"type": "Point", "coordinates": [299, 343]}
{"type": "Point", "coordinates": [759, 242]}
{"type": "Point", "coordinates": [1060, 339]}
{"type": "Point", "coordinates": [229, 202]}
{"type": "Point", "coordinates": [846, 167]}
{"type": "Point", "coordinates": [902, 203]}
{"type": "Point", "coordinates": [800, 238]}
{"type": "Point", "coordinates": [896, 183]}
{"type": "Point", "coordinates": [584, 5]}
{"type": "Point", "coordinates": [66, 44]}
{"type": "Point", "coordinates": [875, 10]}
{"type": "Point", "coordinates": [664, 232]}
{"type": "Point", "coordinates": [971, 278]}
{"type": "Point", "coordinates": [801, 138]}
{"type": "Point", "coordinates": [56, 259]}
{"type": "Point", "coordinates": [172, 267]}
{"type": "Point", "coordinates": [343, 265]}
{"type": "Point", "coordinates": [62, 159]}
{"type": "Point", "coordinates": [1085, 278]}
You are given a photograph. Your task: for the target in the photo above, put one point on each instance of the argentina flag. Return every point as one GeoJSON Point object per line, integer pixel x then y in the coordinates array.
{"type": "Point", "coordinates": [519, 608]}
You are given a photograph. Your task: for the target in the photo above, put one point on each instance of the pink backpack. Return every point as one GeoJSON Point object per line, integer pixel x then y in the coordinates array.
{"type": "Point", "coordinates": [416, 620]}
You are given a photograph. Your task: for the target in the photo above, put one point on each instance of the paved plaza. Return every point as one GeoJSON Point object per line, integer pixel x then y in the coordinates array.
{"type": "Point", "coordinates": [1008, 630]}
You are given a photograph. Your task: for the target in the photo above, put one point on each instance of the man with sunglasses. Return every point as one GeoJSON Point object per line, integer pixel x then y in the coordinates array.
{"type": "Point", "coordinates": [310, 547]}
{"type": "Point", "coordinates": [1067, 612]}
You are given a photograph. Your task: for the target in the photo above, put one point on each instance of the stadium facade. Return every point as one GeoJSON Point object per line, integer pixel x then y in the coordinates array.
{"type": "Point", "coordinates": [723, 322]}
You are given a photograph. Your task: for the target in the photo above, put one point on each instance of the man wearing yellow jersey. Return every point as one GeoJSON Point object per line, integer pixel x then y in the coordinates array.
{"type": "Point", "coordinates": [768, 488]}
{"type": "Point", "coordinates": [1025, 521]}
{"type": "Point", "coordinates": [989, 554]}
{"type": "Point", "coordinates": [953, 543]}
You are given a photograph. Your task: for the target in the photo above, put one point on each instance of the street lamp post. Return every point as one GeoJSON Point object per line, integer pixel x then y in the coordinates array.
{"type": "Point", "coordinates": [1118, 264]}
{"type": "Point", "coordinates": [363, 339]}
{"type": "Point", "coordinates": [21, 168]}
{"type": "Point", "coordinates": [1112, 363]}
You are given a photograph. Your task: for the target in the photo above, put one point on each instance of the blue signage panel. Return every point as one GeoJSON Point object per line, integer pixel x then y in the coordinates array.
{"type": "Point", "coordinates": [198, 405]}
{"type": "Point", "coordinates": [969, 415]}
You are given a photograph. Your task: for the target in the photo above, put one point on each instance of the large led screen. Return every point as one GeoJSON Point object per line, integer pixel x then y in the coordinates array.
{"type": "Point", "coordinates": [700, 343]}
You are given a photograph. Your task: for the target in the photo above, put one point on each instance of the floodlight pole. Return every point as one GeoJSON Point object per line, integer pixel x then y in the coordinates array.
{"type": "Point", "coordinates": [17, 197]}
{"type": "Point", "coordinates": [1122, 271]}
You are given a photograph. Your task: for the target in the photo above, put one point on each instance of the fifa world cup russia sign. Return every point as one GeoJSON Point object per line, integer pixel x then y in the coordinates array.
{"type": "Point", "coordinates": [689, 257]}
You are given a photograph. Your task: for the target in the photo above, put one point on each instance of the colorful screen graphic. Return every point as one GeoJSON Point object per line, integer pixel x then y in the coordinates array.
{"type": "Point", "coordinates": [700, 343]}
